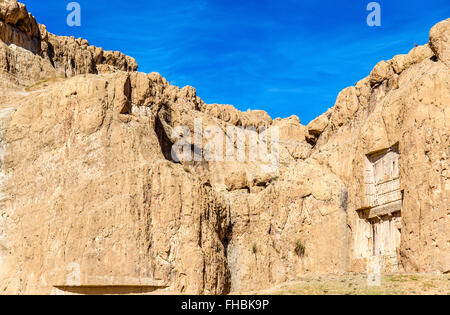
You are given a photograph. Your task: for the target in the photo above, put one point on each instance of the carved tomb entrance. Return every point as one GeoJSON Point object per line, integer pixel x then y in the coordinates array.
{"type": "Point", "coordinates": [379, 226]}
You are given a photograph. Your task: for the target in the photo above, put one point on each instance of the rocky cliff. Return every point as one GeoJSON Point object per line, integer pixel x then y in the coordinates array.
{"type": "Point", "coordinates": [94, 200]}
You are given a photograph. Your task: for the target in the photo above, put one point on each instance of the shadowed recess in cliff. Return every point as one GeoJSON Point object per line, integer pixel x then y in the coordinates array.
{"type": "Point", "coordinates": [164, 141]}
{"type": "Point", "coordinates": [108, 290]}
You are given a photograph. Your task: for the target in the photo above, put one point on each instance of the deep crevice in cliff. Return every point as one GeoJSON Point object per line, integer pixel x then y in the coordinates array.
{"type": "Point", "coordinates": [164, 141]}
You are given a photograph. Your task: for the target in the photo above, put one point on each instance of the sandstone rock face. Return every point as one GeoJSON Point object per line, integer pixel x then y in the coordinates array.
{"type": "Point", "coordinates": [18, 27]}
{"type": "Point", "coordinates": [271, 229]}
{"type": "Point", "coordinates": [407, 203]}
{"type": "Point", "coordinates": [30, 53]}
{"type": "Point", "coordinates": [382, 71]}
{"type": "Point", "coordinates": [94, 198]}
{"type": "Point", "coordinates": [439, 38]}
{"type": "Point", "coordinates": [120, 205]}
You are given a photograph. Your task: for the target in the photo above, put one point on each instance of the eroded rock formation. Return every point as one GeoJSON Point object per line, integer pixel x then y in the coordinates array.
{"type": "Point", "coordinates": [93, 200]}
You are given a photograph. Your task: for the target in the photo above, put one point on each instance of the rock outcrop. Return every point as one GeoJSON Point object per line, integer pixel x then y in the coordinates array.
{"type": "Point", "coordinates": [401, 108]}
{"type": "Point", "coordinates": [439, 38]}
{"type": "Point", "coordinates": [94, 198]}
{"type": "Point", "coordinates": [30, 53]}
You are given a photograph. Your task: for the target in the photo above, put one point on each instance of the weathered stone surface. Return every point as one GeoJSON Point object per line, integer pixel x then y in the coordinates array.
{"type": "Point", "coordinates": [61, 55]}
{"type": "Point", "coordinates": [18, 27]}
{"type": "Point", "coordinates": [294, 211]}
{"type": "Point", "coordinates": [317, 127]}
{"type": "Point", "coordinates": [413, 115]}
{"type": "Point", "coordinates": [439, 41]}
{"type": "Point", "coordinates": [382, 71]}
{"type": "Point", "coordinates": [292, 139]}
{"type": "Point", "coordinates": [257, 118]}
{"type": "Point", "coordinates": [416, 55]}
{"type": "Point", "coordinates": [117, 204]}
{"type": "Point", "coordinates": [92, 200]}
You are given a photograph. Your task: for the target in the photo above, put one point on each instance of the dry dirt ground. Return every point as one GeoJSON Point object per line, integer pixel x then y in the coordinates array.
{"type": "Point", "coordinates": [356, 284]}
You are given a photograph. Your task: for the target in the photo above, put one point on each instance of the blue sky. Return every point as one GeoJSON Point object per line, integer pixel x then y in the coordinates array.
{"type": "Point", "coordinates": [286, 57]}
